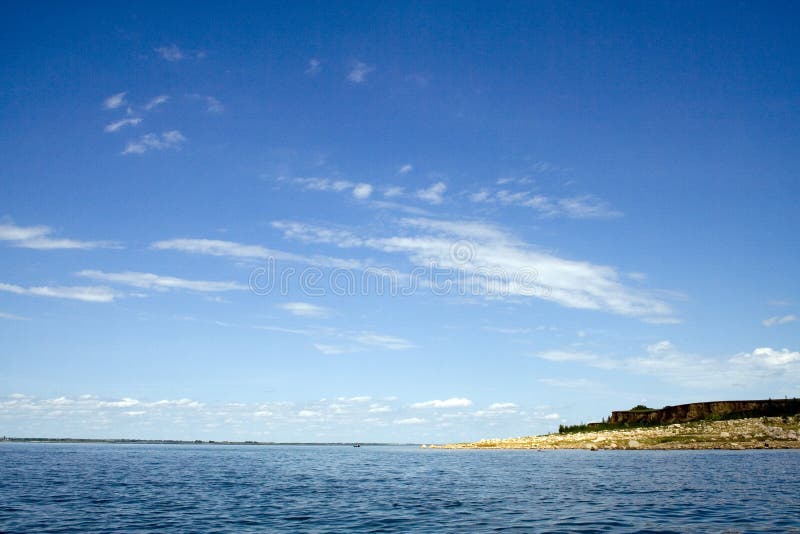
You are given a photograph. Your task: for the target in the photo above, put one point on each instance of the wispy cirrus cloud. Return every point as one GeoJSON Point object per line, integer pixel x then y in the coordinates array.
{"type": "Point", "coordinates": [155, 102]}
{"type": "Point", "coordinates": [577, 207]}
{"type": "Point", "coordinates": [779, 320]}
{"type": "Point", "coordinates": [170, 53]}
{"type": "Point", "coordinates": [433, 194]}
{"type": "Point", "coordinates": [160, 283]}
{"type": "Point", "coordinates": [232, 249]}
{"type": "Point", "coordinates": [667, 362]}
{"type": "Point", "coordinates": [305, 309]}
{"type": "Point", "coordinates": [84, 293]}
{"type": "Point", "coordinates": [13, 317]}
{"type": "Point", "coordinates": [41, 238]}
{"type": "Point", "coordinates": [213, 105]}
{"type": "Point", "coordinates": [360, 190]}
{"type": "Point", "coordinates": [172, 139]}
{"type": "Point", "coordinates": [122, 123]}
{"type": "Point", "coordinates": [496, 261]}
{"type": "Point", "coordinates": [454, 402]}
{"type": "Point", "coordinates": [329, 340]}
{"type": "Point", "coordinates": [358, 72]}
{"type": "Point", "coordinates": [314, 67]}
{"type": "Point", "coordinates": [115, 101]}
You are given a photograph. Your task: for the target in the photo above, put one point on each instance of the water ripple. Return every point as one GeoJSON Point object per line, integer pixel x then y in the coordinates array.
{"type": "Point", "coordinates": [143, 488]}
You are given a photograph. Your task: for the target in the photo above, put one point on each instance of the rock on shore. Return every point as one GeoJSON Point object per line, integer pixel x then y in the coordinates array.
{"type": "Point", "coordinates": [756, 433]}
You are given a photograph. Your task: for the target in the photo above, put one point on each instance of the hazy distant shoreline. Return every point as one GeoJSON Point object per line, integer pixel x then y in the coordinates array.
{"type": "Point", "coordinates": [122, 441]}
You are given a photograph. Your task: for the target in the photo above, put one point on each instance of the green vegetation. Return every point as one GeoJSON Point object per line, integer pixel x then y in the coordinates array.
{"type": "Point", "coordinates": [641, 408]}
{"type": "Point", "coordinates": [596, 427]}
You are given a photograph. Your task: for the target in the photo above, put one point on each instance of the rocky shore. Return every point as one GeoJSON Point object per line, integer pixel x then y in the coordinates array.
{"type": "Point", "coordinates": [736, 434]}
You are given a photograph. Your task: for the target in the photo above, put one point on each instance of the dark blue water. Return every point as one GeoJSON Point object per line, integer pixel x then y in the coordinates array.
{"type": "Point", "coordinates": [137, 488]}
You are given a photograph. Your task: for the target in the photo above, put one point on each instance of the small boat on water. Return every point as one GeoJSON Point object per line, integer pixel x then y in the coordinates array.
{"type": "Point", "coordinates": [356, 444]}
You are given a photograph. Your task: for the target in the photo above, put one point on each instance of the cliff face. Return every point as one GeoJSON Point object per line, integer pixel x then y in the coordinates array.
{"type": "Point", "coordinates": [708, 410]}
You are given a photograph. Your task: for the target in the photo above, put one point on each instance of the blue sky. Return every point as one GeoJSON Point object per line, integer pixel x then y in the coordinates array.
{"type": "Point", "coordinates": [490, 220]}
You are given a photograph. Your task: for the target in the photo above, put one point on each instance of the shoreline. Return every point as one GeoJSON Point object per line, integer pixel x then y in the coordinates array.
{"type": "Point", "coordinates": [733, 434]}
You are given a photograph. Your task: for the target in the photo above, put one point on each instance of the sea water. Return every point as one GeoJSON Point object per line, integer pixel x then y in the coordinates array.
{"type": "Point", "coordinates": [203, 488]}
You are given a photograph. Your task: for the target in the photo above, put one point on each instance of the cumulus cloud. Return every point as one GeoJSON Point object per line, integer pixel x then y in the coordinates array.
{"type": "Point", "coordinates": [454, 402]}
{"type": "Point", "coordinates": [304, 309]}
{"type": "Point", "coordinates": [433, 194]}
{"type": "Point", "coordinates": [362, 191]}
{"type": "Point", "coordinates": [775, 321]}
{"type": "Point", "coordinates": [358, 72]}
{"type": "Point", "coordinates": [172, 139]}
{"type": "Point", "coordinates": [40, 238]}
{"type": "Point", "coordinates": [115, 101]}
{"type": "Point", "coordinates": [84, 293]}
{"type": "Point", "coordinates": [160, 283]}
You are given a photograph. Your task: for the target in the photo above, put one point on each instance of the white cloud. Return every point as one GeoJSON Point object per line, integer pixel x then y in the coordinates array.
{"type": "Point", "coordinates": [304, 309]}
{"type": "Point", "coordinates": [167, 140]}
{"type": "Point", "coordinates": [405, 169]}
{"type": "Point", "coordinates": [495, 263]}
{"type": "Point", "coordinates": [562, 356]}
{"type": "Point", "coordinates": [114, 126]}
{"type": "Point", "coordinates": [156, 101]}
{"type": "Point", "coordinates": [379, 408]}
{"type": "Point", "coordinates": [162, 283]}
{"type": "Point", "coordinates": [768, 358]}
{"type": "Point", "coordinates": [410, 421]}
{"type": "Point", "coordinates": [213, 105]}
{"type": "Point", "coordinates": [330, 350]}
{"type": "Point", "coordinates": [383, 341]}
{"type": "Point", "coordinates": [433, 194]}
{"type": "Point", "coordinates": [308, 413]}
{"type": "Point", "coordinates": [578, 207]}
{"type": "Point", "coordinates": [84, 293]}
{"type": "Point", "coordinates": [215, 247]}
{"type": "Point", "coordinates": [774, 321]}
{"type": "Point", "coordinates": [665, 361]}
{"type": "Point", "coordinates": [357, 398]}
{"type": "Point", "coordinates": [170, 53]}
{"type": "Point", "coordinates": [39, 237]}
{"type": "Point", "coordinates": [115, 101]}
{"type": "Point", "coordinates": [12, 317]}
{"type": "Point", "coordinates": [359, 71]}
{"type": "Point", "coordinates": [503, 406]}
{"type": "Point", "coordinates": [393, 191]}
{"type": "Point", "coordinates": [362, 191]}
{"type": "Point", "coordinates": [314, 67]}
{"type": "Point", "coordinates": [577, 383]}
{"type": "Point", "coordinates": [454, 402]}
